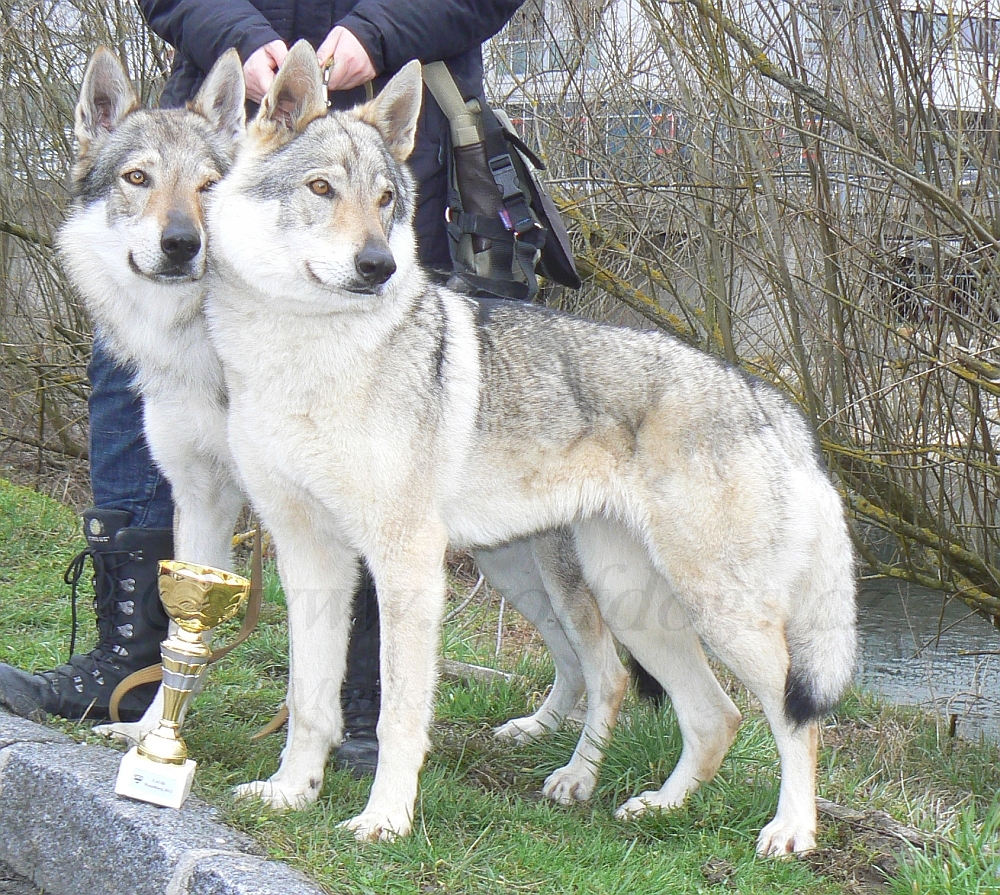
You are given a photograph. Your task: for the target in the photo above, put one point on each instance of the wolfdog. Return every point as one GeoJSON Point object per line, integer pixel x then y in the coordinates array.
{"type": "Point", "coordinates": [134, 246]}
{"type": "Point", "coordinates": [374, 412]}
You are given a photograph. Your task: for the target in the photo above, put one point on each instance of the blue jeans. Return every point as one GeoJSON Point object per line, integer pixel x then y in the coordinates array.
{"type": "Point", "coordinates": [123, 475]}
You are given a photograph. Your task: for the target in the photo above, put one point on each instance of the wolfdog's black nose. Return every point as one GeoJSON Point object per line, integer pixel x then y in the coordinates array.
{"type": "Point", "coordinates": [376, 264]}
{"type": "Point", "coordinates": [180, 242]}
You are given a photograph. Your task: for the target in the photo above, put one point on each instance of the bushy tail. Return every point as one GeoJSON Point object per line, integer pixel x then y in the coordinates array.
{"type": "Point", "coordinates": [822, 634]}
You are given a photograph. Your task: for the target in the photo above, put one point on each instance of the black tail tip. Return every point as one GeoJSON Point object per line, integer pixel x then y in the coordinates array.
{"type": "Point", "coordinates": [647, 686]}
{"type": "Point", "coordinates": [801, 702]}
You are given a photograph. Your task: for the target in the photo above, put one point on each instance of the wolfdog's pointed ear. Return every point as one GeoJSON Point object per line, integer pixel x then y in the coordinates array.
{"type": "Point", "coordinates": [296, 96]}
{"type": "Point", "coordinates": [394, 112]}
{"type": "Point", "coordinates": [106, 97]}
{"type": "Point", "coordinates": [221, 97]}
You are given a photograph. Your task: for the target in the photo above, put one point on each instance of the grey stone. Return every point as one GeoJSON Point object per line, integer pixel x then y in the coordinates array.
{"type": "Point", "coordinates": [14, 884]}
{"type": "Point", "coordinates": [244, 875]}
{"type": "Point", "coordinates": [19, 730]}
{"type": "Point", "coordinates": [63, 827]}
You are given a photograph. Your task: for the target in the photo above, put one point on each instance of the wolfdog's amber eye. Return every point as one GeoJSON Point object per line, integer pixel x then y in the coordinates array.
{"type": "Point", "coordinates": [136, 178]}
{"type": "Point", "coordinates": [385, 199]}
{"type": "Point", "coordinates": [320, 187]}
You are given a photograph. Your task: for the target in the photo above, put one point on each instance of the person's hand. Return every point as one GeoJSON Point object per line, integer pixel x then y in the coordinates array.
{"type": "Point", "coordinates": [260, 67]}
{"type": "Point", "coordinates": [351, 64]}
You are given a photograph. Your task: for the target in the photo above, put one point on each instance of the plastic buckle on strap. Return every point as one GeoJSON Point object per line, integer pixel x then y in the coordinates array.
{"type": "Point", "coordinates": [502, 169]}
{"type": "Point", "coordinates": [527, 225]}
{"type": "Point", "coordinates": [519, 227]}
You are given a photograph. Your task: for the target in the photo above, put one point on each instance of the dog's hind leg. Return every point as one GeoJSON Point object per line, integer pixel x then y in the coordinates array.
{"type": "Point", "coordinates": [605, 677]}
{"type": "Point", "coordinates": [645, 616]}
{"type": "Point", "coordinates": [318, 576]}
{"type": "Point", "coordinates": [758, 656]}
{"type": "Point", "coordinates": [512, 570]}
{"type": "Point", "coordinates": [794, 826]}
{"type": "Point", "coordinates": [739, 608]}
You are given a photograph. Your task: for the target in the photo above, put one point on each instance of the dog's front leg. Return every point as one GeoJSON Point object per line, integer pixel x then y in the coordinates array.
{"type": "Point", "coordinates": [207, 502]}
{"type": "Point", "coordinates": [131, 732]}
{"type": "Point", "coordinates": [205, 516]}
{"type": "Point", "coordinates": [319, 577]}
{"type": "Point", "coordinates": [410, 581]}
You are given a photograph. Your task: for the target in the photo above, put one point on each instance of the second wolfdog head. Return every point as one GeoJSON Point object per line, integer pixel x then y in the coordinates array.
{"type": "Point", "coordinates": [136, 232]}
{"type": "Point", "coordinates": [319, 207]}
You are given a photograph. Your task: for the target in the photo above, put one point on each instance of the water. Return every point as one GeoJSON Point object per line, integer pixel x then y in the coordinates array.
{"type": "Point", "coordinates": [912, 645]}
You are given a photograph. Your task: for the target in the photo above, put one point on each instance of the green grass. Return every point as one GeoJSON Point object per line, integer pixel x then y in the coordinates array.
{"type": "Point", "coordinates": [481, 826]}
{"type": "Point", "coordinates": [38, 537]}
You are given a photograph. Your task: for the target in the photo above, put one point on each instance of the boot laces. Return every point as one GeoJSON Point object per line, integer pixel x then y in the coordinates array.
{"type": "Point", "coordinates": [106, 563]}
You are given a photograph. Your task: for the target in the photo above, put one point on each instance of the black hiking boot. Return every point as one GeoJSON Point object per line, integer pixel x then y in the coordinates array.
{"type": "Point", "coordinates": [130, 625]}
{"type": "Point", "coordinates": [360, 693]}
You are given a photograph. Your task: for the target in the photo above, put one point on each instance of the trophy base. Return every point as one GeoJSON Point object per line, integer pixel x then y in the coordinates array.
{"type": "Point", "coordinates": [150, 781]}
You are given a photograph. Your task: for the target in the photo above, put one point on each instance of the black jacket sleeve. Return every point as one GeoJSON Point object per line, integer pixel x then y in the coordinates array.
{"type": "Point", "coordinates": [204, 31]}
{"type": "Point", "coordinates": [393, 33]}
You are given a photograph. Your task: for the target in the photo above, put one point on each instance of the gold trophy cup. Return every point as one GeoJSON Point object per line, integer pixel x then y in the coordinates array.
{"type": "Point", "coordinates": [198, 599]}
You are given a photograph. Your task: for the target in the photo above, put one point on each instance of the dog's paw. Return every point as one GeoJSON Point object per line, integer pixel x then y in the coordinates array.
{"type": "Point", "coordinates": [521, 730]}
{"type": "Point", "coordinates": [635, 807]}
{"type": "Point", "coordinates": [782, 838]}
{"type": "Point", "coordinates": [651, 800]}
{"type": "Point", "coordinates": [125, 733]}
{"type": "Point", "coordinates": [377, 826]}
{"type": "Point", "coordinates": [276, 796]}
{"type": "Point", "coordinates": [568, 785]}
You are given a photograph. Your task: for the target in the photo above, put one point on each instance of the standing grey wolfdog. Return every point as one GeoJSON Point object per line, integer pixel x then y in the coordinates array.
{"type": "Point", "coordinates": [375, 413]}
{"type": "Point", "coordinates": [135, 248]}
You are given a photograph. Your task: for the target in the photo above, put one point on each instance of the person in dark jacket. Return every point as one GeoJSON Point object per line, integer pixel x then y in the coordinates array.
{"type": "Point", "coordinates": [369, 40]}
{"type": "Point", "coordinates": [128, 530]}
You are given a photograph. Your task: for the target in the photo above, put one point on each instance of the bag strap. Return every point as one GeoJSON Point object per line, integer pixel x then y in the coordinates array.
{"type": "Point", "coordinates": [462, 118]}
{"type": "Point", "coordinates": [529, 235]}
{"type": "Point", "coordinates": [534, 236]}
